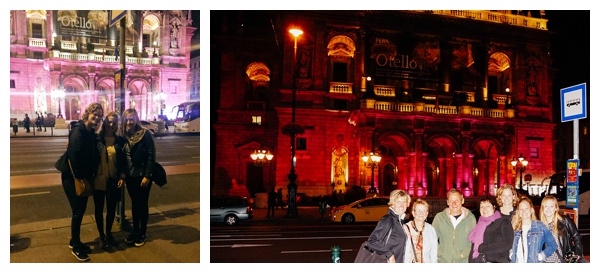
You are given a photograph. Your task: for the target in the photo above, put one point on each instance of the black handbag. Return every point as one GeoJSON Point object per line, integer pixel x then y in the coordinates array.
{"type": "Point", "coordinates": [366, 255]}
{"type": "Point", "coordinates": [159, 175]}
{"type": "Point", "coordinates": [61, 164]}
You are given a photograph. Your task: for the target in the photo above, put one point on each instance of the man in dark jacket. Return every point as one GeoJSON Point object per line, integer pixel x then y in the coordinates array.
{"type": "Point", "coordinates": [26, 123]}
{"type": "Point", "coordinates": [271, 203]}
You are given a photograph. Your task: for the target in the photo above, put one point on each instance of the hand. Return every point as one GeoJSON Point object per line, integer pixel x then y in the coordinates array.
{"type": "Point", "coordinates": [145, 182]}
{"type": "Point", "coordinates": [120, 183]}
{"type": "Point", "coordinates": [392, 259]}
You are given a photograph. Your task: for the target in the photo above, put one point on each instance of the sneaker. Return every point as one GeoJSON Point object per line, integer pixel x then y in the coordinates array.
{"type": "Point", "coordinates": [131, 238]}
{"type": "Point", "coordinates": [111, 240]}
{"type": "Point", "coordinates": [80, 255]}
{"type": "Point", "coordinates": [140, 241]}
{"type": "Point", "coordinates": [103, 243]}
{"type": "Point", "coordinates": [82, 246]}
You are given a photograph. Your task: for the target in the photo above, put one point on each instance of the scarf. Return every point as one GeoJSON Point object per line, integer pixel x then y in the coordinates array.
{"type": "Point", "coordinates": [476, 235]}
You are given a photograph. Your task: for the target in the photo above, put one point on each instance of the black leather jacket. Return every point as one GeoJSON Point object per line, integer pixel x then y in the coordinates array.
{"type": "Point", "coordinates": [397, 241]}
{"type": "Point", "coordinates": [83, 152]}
{"type": "Point", "coordinates": [568, 232]}
{"type": "Point", "coordinates": [140, 156]}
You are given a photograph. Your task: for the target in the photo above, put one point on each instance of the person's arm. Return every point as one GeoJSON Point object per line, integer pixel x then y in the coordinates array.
{"type": "Point", "coordinates": [550, 243]}
{"type": "Point", "coordinates": [574, 235]}
{"type": "Point", "coordinates": [377, 239]}
{"type": "Point", "coordinates": [150, 154]}
{"type": "Point", "coordinates": [77, 153]}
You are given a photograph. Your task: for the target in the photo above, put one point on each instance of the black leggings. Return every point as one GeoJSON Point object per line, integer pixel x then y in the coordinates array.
{"type": "Point", "coordinates": [78, 206]}
{"type": "Point", "coordinates": [139, 203]}
{"type": "Point", "coordinates": [111, 204]}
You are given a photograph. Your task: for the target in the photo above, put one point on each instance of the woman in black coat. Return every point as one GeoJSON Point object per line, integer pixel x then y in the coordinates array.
{"type": "Point", "coordinates": [563, 229]}
{"type": "Point", "coordinates": [140, 157]}
{"type": "Point", "coordinates": [392, 246]}
{"type": "Point", "coordinates": [84, 158]}
{"type": "Point", "coordinates": [492, 237]}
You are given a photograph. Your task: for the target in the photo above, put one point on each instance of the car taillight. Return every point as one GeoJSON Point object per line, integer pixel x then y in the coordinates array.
{"type": "Point", "coordinates": [248, 209]}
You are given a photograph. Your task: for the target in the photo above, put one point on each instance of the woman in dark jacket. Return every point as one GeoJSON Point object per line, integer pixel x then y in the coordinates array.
{"type": "Point", "coordinates": [84, 158]}
{"type": "Point", "coordinates": [140, 156]}
{"type": "Point", "coordinates": [394, 246]}
{"type": "Point", "coordinates": [110, 177]}
{"type": "Point", "coordinates": [563, 229]}
{"type": "Point", "coordinates": [492, 237]}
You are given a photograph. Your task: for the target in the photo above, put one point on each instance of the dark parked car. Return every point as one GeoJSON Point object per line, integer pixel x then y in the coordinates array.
{"type": "Point", "coordinates": [229, 209]}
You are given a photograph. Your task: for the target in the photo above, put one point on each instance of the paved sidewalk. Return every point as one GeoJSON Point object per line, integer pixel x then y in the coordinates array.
{"type": "Point", "coordinates": [173, 236]}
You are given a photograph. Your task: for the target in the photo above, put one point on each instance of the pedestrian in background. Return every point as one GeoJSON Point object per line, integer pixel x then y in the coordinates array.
{"type": "Point", "coordinates": [453, 226]}
{"type": "Point", "coordinates": [492, 236]}
{"type": "Point", "coordinates": [421, 245]}
{"type": "Point", "coordinates": [82, 154]}
{"type": "Point", "coordinates": [38, 122]}
{"type": "Point", "coordinates": [26, 123]}
{"type": "Point", "coordinates": [140, 156]}
{"type": "Point", "coordinates": [389, 238]}
{"type": "Point", "coordinates": [110, 177]}
{"type": "Point", "coordinates": [279, 198]}
{"type": "Point", "coordinates": [271, 203]}
{"type": "Point", "coordinates": [506, 196]}
{"type": "Point", "coordinates": [42, 123]}
{"type": "Point", "coordinates": [563, 230]}
{"type": "Point", "coordinates": [533, 241]}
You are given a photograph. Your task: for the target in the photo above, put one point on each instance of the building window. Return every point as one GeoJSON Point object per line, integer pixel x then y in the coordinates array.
{"type": "Point", "coordinates": [12, 84]}
{"type": "Point", "coordinates": [534, 152]}
{"type": "Point", "coordinates": [256, 120]}
{"type": "Point", "coordinates": [340, 72]}
{"type": "Point", "coordinates": [36, 31]}
{"type": "Point", "coordinates": [301, 144]}
{"type": "Point", "coordinates": [38, 55]}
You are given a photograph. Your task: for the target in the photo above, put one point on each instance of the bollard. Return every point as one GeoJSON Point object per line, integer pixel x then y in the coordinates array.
{"type": "Point", "coordinates": [15, 128]}
{"type": "Point", "coordinates": [335, 254]}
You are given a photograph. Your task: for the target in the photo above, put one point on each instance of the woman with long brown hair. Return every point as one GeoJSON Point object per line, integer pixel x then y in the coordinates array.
{"type": "Point", "coordinates": [140, 157]}
{"type": "Point", "coordinates": [530, 236]}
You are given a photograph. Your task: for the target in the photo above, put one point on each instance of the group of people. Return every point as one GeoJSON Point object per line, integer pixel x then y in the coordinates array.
{"type": "Point", "coordinates": [506, 231]}
{"type": "Point", "coordinates": [39, 122]}
{"type": "Point", "coordinates": [109, 156]}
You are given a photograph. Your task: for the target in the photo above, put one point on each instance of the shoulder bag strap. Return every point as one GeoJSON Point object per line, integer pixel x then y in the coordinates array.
{"type": "Point", "coordinates": [411, 242]}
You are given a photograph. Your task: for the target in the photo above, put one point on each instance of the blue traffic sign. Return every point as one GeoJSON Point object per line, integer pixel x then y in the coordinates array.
{"type": "Point", "coordinates": [573, 102]}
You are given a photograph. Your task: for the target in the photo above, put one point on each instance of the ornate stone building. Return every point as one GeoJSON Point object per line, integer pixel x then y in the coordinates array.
{"type": "Point", "coordinates": [446, 98]}
{"type": "Point", "coordinates": [62, 60]}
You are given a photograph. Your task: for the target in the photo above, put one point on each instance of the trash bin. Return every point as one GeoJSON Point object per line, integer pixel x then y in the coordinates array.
{"type": "Point", "coordinates": [161, 125]}
{"type": "Point", "coordinates": [15, 128]}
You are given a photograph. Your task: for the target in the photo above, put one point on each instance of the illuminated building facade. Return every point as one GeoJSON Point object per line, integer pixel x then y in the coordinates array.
{"type": "Point", "coordinates": [67, 59]}
{"type": "Point", "coordinates": [446, 98]}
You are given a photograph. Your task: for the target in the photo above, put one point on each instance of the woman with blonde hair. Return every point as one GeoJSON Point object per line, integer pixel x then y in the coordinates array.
{"type": "Point", "coordinates": [83, 157]}
{"type": "Point", "coordinates": [507, 199]}
{"type": "Point", "coordinates": [389, 238]}
{"type": "Point", "coordinates": [421, 245]}
{"type": "Point", "coordinates": [530, 236]}
{"type": "Point", "coordinates": [563, 229]}
{"type": "Point", "coordinates": [140, 156]}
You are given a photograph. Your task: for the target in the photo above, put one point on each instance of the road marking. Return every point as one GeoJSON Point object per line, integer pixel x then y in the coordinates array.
{"type": "Point", "coordinates": [312, 251]}
{"type": "Point", "coordinates": [29, 194]}
{"type": "Point", "coordinates": [301, 238]}
{"type": "Point", "coordinates": [243, 245]}
{"type": "Point", "coordinates": [232, 236]}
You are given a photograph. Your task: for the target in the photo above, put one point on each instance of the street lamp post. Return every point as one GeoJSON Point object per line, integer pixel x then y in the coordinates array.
{"type": "Point", "coordinates": [154, 53]}
{"type": "Point", "coordinates": [58, 94]}
{"type": "Point", "coordinates": [292, 176]}
{"type": "Point", "coordinates": [506, 102]}
{"type": "Point", "coordinates": [521, 168]}
{"type": "Point", "coordinates": [372, 162]}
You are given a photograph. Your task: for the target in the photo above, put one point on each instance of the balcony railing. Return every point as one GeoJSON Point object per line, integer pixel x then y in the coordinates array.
{"type": "Point", "coordinates": [496, 17]}
{"type": "Point", "coordinates": [385, 90]}
{"type": "Point", "coordinates": [340, 87]}
{"type": "Point", "coordinates": [37, 42]}
{"type": "Point", "coordinates": [106, 58]}
{"type": "Point", "coordinates": [440, 109]}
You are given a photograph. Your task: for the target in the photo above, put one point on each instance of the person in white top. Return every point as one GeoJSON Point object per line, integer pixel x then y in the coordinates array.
{"type": "Point", "coordinates": [532, 242]}
{"type": "Point", "coordinates": [421, 245]}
